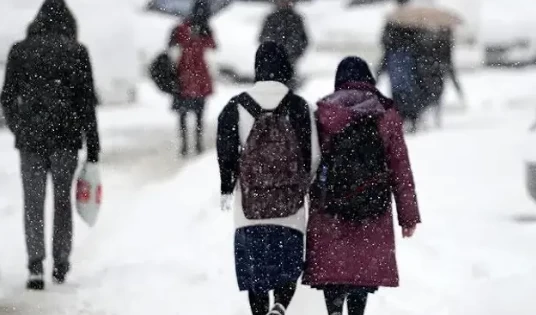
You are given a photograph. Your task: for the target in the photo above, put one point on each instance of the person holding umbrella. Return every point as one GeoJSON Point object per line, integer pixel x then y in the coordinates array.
{"type": "Point", "coordinates": [194, 37]}
{"type": "Point", "coordinates": [418, 43]}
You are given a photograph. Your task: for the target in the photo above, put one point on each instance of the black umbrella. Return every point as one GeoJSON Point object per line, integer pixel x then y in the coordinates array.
{"type": "Point", "coordinates": [183, 8]}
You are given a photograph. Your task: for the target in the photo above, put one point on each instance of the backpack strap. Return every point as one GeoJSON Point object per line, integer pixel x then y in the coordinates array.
{"type": "Point", "coordinates": [250, 105]}
{"type": "Point", "coordinates": [284, 106]}
{"type": "Point", "coordinates": [255, 110]}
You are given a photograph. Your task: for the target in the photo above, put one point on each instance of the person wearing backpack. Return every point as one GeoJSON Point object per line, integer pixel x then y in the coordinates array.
{"type": "Point", "coordinates": [265, 146]}
{"type": "Point", "coordinates": [49, 102]}
{"type": "Point", "coordinates": [350, 235]}
{"type": "Point", "coordinates": [194, 37]}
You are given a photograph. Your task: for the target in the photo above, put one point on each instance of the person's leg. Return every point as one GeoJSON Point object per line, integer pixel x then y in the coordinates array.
{"type": "Point", "coordinates": [357, 303]}
{"type": "Point", "coordinates": [183, 131]}
{"type": "Point", "coordinates": [413, 123]}
{"type": "Point", "coordinates": [334, 299]}
{"type": "Point", "coordinates": [63, 168]}
{"type": "Point", "coordinates": [259, 303]}
{"type": "Point", "coordinates": [283, 296]}
{"type": "Point", "coordinates": [438, 114]}
{"type": "Point", "coordinates": [199, 113]}
{"type": "Point", "coordinates": [34, 169]}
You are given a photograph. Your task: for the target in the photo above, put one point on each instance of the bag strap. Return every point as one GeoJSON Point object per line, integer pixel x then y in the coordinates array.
{"type": "Point", "coordinates": [255, 110]}
{"type": "Point", "coordinates": [250, 105]}
{"type": "Point", "coordinates": [284, 106]}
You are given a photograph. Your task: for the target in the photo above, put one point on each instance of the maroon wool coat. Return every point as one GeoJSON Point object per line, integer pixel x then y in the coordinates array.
{"type": "Point", "coordinates": [194, 76]}
{"type": "Point", "coordinates": [340, 252]}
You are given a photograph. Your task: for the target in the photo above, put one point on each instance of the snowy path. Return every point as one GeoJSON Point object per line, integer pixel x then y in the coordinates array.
{"type": "Point", "coordinates": [162, 246]}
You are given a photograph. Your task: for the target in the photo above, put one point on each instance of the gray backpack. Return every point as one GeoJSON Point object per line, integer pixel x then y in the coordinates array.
{"type": "Point", "coordinates": [273, 177]}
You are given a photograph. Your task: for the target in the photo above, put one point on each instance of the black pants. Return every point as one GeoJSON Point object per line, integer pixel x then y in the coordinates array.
{"type": "Point", "coordinates": [183, 107]}
{"type": "Point", "coordinates": [35, 169]}
{"type": "Point", "coordinates": [336, 297]}
{"type": "Point", "coordinates": [260, 302]}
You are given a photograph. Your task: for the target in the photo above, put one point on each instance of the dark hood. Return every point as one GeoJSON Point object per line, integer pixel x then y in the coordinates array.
{"type": "Point", "coordinates": [200, 12]}
{"type": "Point", "coordinates": [54, 17]}
{"type": "Point", "coordinates": [355, 96]}
{"type": "Point", "coordinates": [272, 63]}
{"type": "Point", "coordinates": [353, 69]}
{"type": "Point", "coordinates": [336, 111]}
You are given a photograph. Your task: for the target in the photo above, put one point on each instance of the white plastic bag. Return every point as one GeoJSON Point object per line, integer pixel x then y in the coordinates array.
{"type": "Point", "coordinates": [89, 193]}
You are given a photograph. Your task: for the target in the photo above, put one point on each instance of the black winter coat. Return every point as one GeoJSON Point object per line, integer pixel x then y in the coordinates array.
{"type": "Point", "coordinates": [48, 95]}
{"type": "Point", "coordinates": [433, 51]}
{"type": "Point", "coordinates": [286, 27]}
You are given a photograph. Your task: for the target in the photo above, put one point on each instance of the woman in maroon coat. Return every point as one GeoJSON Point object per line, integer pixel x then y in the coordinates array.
{"type": "Point", "coordinates": [350, 259]}
{"type": "Point", "coordinates": [194, 37]}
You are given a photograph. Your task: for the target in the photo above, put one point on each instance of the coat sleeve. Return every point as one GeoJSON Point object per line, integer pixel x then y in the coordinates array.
{"type": "Point", "coordinates": [87, 99]}
{"type": "Point", "coordinates": [209, 42]}
{"type": "Point", "coordinates": [303, 39]}
{"type": "Point", "coordinates": [267, 29]}
{"type": "Point", "coordinates": [315, 144]}
{"type": "Point", "coordinates": [382, 67]}
{"type": "Point", "coordinates": [449, 60]}
{"type": "Point", "coordinates": [173, 38]}
{"type": "Point", "coordinates": [386, 43]}
{"type": "Point", "coordinates": [182, 35]}
{"type": "Point", "coordinates": [228, 147]}
{"type": "Point", "coordinates": [300, 118]}
{"type": "Point", "coordinates": [11, 91]}
{"type": "Point", "coordinates": [401, 175]}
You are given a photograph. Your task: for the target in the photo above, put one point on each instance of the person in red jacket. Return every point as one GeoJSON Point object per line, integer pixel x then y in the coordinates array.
{"type": "Point", "coordinates": [194, 37]}
{"type": "Point", "coordinates": [348, 256]}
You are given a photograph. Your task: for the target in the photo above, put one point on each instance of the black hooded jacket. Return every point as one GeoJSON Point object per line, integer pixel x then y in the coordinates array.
{"type": "Point", "coordinates": [433, 51]}
{"type": "Point", "coordinates": [48, 95]}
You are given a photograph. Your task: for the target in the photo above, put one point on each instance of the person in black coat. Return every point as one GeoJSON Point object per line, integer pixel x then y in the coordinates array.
{"type": "Point", "coordinates": [49, 103]}
{"type": "Point", "coordinates": [286, 27]}
{"type": "Point", "coordinates": [432, 49]}
{"type": "Point", "coordinates": [437, 65]}
{"type": "Point", "coordinates": [396, 38]}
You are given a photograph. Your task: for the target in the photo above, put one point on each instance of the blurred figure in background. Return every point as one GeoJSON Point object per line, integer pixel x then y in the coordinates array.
{"type": "Point", "coordinates": [437, 67]}
{"type": "Point", "coordinates": [285, 26]}
{"type": "Point", "coordinates": [418, 44]}
{"type": "Point", "coordinates": [49, 102]}
{"type": "Point", "coordinates": [402, 49]}
{"type": "Point", "coordinates": [193, 37]}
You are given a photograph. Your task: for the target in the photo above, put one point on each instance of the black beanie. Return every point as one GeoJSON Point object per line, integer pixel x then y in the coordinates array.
{"type": "Point", "coordinates": [272, 64]}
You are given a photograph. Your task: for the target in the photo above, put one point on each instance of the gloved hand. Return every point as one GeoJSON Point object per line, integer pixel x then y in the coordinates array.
{"type": "Point", "coordinates": [226, 203]}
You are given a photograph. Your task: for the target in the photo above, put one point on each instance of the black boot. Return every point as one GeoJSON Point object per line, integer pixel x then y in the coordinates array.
{"type": "Point", "coordinates": [184, 151]}
{"type": "Point", "coordinates": [36, 280]}
{"type": "Point", "coordinates": [199, 136]}
{"type": "Point", "coordinates": [60, 272]}
{"type": "Point", "coordinates": [199, 148]}
{"type": "Point", "coordinates": [183, 135]}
